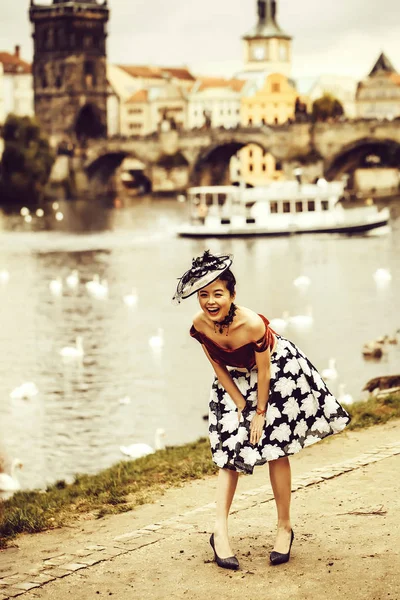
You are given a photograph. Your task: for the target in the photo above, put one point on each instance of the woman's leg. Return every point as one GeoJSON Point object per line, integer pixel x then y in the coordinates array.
{"type": "Point", "coordinates": [279, 472]}
{"type": "Point", "coordinates": [226, 487]}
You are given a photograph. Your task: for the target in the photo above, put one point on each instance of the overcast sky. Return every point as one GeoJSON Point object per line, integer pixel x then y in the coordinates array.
{"type": "Point", "coordinates": [342, 37]}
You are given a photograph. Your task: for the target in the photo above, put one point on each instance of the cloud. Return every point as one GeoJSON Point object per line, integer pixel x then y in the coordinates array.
{"type": "Point", "coordinates": [339, 37]}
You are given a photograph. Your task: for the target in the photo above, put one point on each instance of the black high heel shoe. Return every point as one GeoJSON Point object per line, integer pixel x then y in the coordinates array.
{"type": "Point", "coordinates": [277, 558]}
{"type": "Point", "coordinates": [225, 563]}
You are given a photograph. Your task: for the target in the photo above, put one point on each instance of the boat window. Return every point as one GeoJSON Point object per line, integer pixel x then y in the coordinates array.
{"type": "Point", "coordinates": [325, 204]}
{"type": "Point", "coordinates": [286, 207]}
{"type": "Point", "coordinates": [274, 207]}
{"type": "Point", "coordinates": [311, 205]}
{"type": "Point", "coordinates": [299, 207]}
{"type": "Point", "coordinates": [209, 199]}
{"type": "Point", "coordinates": [221, 199]}
{"type": "Point", "coordinates": [225, 221]}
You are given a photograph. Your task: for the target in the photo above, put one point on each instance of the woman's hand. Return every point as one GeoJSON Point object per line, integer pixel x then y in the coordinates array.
{"type": "Point", "coordinates": [256, 428]}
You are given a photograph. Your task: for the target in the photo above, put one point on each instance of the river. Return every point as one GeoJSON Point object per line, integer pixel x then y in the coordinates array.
{"type": "Point", "coordinates": [77, 421]}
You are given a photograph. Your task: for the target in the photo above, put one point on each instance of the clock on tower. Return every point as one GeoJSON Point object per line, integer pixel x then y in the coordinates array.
{"type": "Point", "coordinates": [258, 52]}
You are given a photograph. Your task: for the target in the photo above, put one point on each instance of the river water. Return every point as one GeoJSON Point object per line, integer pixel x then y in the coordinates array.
{"type": "Point", "coordinates": [77, 422]}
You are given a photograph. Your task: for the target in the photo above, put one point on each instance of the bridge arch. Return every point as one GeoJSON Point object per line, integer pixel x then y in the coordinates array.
{"type": "Point", "coordinates": [102, 168]}
{"type": "Point", "coordinates": [364, 153]}
{"type": "Point", "coordinates": [211, 165]}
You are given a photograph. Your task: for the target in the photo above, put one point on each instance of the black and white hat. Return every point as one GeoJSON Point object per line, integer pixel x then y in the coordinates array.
{"type": "Point", "coordinates": [205, 269]}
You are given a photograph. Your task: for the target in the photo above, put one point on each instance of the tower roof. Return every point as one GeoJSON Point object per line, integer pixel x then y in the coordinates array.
{"type": "Point", "coordinates": [382, 64]}
{"type": "Point", "coordinates": [267, 26]}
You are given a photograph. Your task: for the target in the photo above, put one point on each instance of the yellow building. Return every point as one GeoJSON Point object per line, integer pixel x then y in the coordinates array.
{"type": "Point", "coordinates": [272, 104]}
{"type": "Point", "coordinates": [253, 165]}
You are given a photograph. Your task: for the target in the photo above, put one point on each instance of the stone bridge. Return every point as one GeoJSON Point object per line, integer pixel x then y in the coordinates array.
{"type": "Point", "coordinates": [329, 149]}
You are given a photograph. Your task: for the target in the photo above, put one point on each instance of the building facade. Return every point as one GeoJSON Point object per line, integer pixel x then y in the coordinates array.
{"type": "Point", "coordinates": [273, 103]}
{"type": "Point", "coordinates": [69, 67]}
{"type": "Point", "coordinates": [378, 96]}
{"type": "Point", "coordinates": [146, 110]}
{"type": "Point", "coordinates": [267, 48]}
{"type": "Point", "coordinates": [16, 86]}
{"type": "Point", "coordinates": [215, 102]}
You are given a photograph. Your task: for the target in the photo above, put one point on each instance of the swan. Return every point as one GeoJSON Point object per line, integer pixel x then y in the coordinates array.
{"type": "Point", "coordinates": [344, 398]}
{"type": "Point", "coordinates": [73, 280]}
{"type": "Point", "coordinates": [156, 342]}
{"type": "Point", "coordinates": [73, 351]}
{"type": "Point", "coordinates": [9, 484]}
{"type": "Point", "coordinates": [139, 450]}
{"type": "Point", "coordinates": [302, 281]}
{"type": "Point", "coordinates": [4, 276]}
{"type": "Point", "coordinates": [302, 320]}
{"type": "Point", "coordinates": [382, 276]}
{"type": "Point", "coordinates": [280, 324]}
{"type": "Point", "coordinates": [330, 373]}
{"type": "Point", "coordinates": [125, 400]}
{"type": "Point", "coordinates": [97, 288]}
{"type": "Point", "coordinates": [26, 390]}
{"type": "Point", "coordinates": [56, 286]}
{"type": "Point", "coordinates": [131, 299]}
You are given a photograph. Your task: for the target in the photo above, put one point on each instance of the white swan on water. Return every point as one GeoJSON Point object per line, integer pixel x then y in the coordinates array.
{"type": "Point", "coordinates": [156, 342]}
{"type": "Point", "coordinates": [4, 276]}
{"type": "Point", "coordinates": [73, 351]}
{"type": "Point", "coordinates": [330, 373]}
{"type": "Point", "coordinates": [9, 484]}
{"type": "Point", "coordinates": [73, 280]}
{"type": "Point", "coordinates": [302, 281]}
{"type": "Point", "coordinates": [302, 320]}
{"type": "Point", "coordinates": [131, 299]}
{"type": "Point", "coordinates": [280, 323]}
{"type": "Point", "coordinates": [382, 276]}
{"type": "Point", "coordinates": [344, 398]}
{"type": "Point", "coordinates": [24, 391]}
{"type": "Point", "coordinates": [138, 450]}
{"type": "Point", "coordinates": [97, 288]}
{"type": "Point", "coordinates": [56, 286]}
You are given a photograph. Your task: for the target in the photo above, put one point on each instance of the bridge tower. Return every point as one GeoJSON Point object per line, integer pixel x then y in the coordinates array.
{"type": "Point", "coordinates": [267, 48]}
{"type": "Point", "coordinates": [69, 68]}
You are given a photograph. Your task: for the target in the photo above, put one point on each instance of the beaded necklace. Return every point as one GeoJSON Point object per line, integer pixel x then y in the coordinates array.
{"type": "Point", "coordinates": [219, 326]}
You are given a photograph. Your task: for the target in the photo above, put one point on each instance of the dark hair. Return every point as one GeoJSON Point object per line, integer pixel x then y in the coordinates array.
{"type": "Point", "coordinates": [230, 281]}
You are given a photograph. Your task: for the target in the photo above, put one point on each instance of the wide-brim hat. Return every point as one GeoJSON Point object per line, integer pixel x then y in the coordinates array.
{"type": "Point", "coordinates": [205, 269]}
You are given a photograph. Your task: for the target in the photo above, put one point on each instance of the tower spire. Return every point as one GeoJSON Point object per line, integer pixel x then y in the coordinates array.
{"type": "Point", "coordinates": [267, 26]}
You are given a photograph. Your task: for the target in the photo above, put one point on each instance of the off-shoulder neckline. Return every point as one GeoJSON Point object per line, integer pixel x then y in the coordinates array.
{"type": "Point", "coordinates": [230, 349]}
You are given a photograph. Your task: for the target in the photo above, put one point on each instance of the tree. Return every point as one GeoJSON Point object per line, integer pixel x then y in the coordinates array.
{"type": "Point", "coordinates": [327, 107]}
{"type": "Point", "coordinates": [26, 163]}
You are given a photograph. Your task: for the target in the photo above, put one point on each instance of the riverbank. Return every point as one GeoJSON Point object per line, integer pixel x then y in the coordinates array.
{"type": "Point", "coordinates": [344, 514]}
{"type": "Point", "coordinates": [130, 484]}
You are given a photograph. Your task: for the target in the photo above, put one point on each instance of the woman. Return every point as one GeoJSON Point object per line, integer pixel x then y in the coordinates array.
{"type": "Point", "coordinates": [267, 400]}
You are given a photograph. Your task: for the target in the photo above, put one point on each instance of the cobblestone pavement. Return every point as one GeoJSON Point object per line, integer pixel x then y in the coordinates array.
{"type": "Point", "coordinates": [63, 565]}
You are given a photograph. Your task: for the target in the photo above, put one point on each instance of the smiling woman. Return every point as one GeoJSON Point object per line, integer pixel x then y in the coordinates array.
{"type": "Point", "coordinates": [267, 401]}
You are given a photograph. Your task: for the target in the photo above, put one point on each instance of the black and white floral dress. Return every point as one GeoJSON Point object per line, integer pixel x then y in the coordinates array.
{"type": "Point", "coordinates": [300, 412]}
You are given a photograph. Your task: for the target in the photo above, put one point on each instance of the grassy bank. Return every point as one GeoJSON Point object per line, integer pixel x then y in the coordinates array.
{"type": "Point", "coordinates": [131, 483]}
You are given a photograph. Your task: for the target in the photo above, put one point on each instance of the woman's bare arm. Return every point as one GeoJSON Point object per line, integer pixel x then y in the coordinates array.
{"type": "Point", "coordinates": [227, 382]}
{"type": "Point", "coordinates": [263, 362]}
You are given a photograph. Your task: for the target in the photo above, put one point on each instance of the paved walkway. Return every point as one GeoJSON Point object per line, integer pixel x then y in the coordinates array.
{"type": "Point", "coordinates": [346, 505]}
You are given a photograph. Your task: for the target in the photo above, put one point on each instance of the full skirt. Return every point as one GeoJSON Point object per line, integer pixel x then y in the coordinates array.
{"type": "Point", "coordinates": [300, 411]}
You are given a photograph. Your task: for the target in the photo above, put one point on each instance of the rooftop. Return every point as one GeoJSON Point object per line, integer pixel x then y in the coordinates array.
{"type": "Point", "coordinates": [153, 72]}
{"type": "Point", "coordinates": [13, 64]}
{"type": "Point", "coordinates": [383, 64]}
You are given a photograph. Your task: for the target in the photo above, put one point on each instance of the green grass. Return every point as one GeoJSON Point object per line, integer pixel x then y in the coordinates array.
{"type": "Point", "coordinates": [132, 483]}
